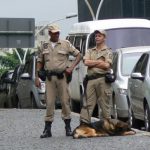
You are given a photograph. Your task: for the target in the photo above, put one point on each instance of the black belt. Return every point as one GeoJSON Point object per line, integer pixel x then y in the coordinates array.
{"type": "Point", "coordinates": [60, 75]}
{"type": "Point", "coordinates": [95, 76]}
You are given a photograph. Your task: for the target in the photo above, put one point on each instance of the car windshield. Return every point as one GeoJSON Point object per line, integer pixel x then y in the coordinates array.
{"type": "Point", "coordinates": [128, 62]}
{"type": "Point", "coordinates": [124, 37]}
{"type": "Point", "coordinates": [128, 37]}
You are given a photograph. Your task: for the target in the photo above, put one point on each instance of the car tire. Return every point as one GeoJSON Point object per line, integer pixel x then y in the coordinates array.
{"type": "Point", "coordinates": [14, 102]}
{"type": "Point", "coordinates": [19, 103]}
{"type": "Point", "coordinates": [147, 118]}
{"type": "Point", "coordinates": [132, 121]}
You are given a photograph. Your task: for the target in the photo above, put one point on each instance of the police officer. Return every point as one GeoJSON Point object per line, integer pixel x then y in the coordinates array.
{"type": "Point", "coordinates": [53, 56]}
{"type": "Point", "coordinates": [98, 60]}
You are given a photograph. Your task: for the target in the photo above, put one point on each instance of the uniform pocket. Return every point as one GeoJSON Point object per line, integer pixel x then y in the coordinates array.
{"type": "Point", "coordinates": [62, 55]}
{"type": "Point", "coordinates": [108, 92]}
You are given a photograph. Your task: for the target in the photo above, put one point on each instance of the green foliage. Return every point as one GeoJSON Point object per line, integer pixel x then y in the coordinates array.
{"type": "Point", "coordinates": [10, 61]}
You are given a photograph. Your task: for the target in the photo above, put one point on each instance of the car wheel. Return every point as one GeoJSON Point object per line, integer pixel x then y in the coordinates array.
{"type": "Point", "coordinates": [14, 102]}
{"type": "Point", "coordinates": [19, 102]}
{"type": "Point", "coordinates": [33, 102]}
{"type": "Point", "coordinates": [147, 118]}
{"type": "Point", "coordinates": [133, 122]}
{"type": "Point", "coordinates": [115, 113]}
{"type": "Point", "coordinates": [130, 116]}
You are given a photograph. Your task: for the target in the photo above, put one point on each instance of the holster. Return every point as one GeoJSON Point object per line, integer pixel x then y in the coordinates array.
{"type": "Point", "coordinates": [42, 74]}
{"type": "Point", "coordinates": [68, 77]}
{"type": "Point", "coordinates": [85, 82]}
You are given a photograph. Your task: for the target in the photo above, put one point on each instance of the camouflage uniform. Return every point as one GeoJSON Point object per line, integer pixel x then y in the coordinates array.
{"type": "Point", "coordinates": [97, 91]}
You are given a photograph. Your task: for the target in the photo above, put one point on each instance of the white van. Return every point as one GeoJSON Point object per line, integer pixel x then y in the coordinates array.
{"type": "Point", "coordinates": [120, 33]}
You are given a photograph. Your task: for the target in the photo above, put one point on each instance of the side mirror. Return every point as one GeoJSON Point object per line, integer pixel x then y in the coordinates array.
{"type": "Point", "coordinates": [25, 76]}
{"type": "Point", "coordinates": [137, 75]}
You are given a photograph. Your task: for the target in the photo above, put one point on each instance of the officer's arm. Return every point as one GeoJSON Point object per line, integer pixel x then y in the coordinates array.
{"type": "Point", "coordinates": [91, 63]}
{"type": "Point", "coordinates": [103, 65]}
{"type": "Point", "coordinates": [39, 66]}
{"type": "Point", "coordinates": [77, 60]}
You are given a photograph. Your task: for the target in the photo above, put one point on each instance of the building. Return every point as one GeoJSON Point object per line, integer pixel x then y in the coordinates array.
{"type": "Point", "coordinates": [106, 9]}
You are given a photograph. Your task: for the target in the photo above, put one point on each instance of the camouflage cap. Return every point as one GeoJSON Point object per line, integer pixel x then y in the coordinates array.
{"type": "Point", "coordinates": [53, 28]}
{"type": "Point", "coordinates": [101, 32]}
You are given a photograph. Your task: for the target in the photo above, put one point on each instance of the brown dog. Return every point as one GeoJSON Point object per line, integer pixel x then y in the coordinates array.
{"type": "Point", "coordinates": [106, 127]}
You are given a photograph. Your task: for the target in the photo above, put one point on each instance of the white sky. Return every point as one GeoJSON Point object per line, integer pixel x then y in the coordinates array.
{"type": "Point", "coordinates": [41, 10]}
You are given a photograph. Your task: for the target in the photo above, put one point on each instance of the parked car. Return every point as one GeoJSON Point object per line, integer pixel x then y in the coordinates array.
{"type": "Point", "coordinates": [123, 63]}
{"type": "Point", "coordinates": [12, 98]}
{"type": "Point", "coordinates": [138, 93]}
{"type": "Point", "coordinates": [5, 88]}
{"type": "Point", "coordinates": [28, 95]}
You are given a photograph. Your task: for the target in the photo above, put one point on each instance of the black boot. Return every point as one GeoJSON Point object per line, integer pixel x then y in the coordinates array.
{"type": "Point", "coordinates": [67, 127]}
{"type": "Point", "coordinates": [47, 130]}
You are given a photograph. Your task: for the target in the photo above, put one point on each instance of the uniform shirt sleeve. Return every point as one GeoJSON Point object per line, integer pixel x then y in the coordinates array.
{"type": "Point", "coordinates": [87, 55]}
{"type": "Point", "coordinates": [109, 56]}
{"type": "Point", "coordinates": [72, 50]}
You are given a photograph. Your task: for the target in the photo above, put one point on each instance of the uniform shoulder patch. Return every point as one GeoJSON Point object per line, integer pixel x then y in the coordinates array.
{"type": "Point", "coordinates": [45, 45]}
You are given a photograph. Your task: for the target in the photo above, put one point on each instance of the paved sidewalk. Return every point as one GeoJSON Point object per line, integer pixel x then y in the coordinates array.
{"type": "Point", "coordinates": [20, 129]}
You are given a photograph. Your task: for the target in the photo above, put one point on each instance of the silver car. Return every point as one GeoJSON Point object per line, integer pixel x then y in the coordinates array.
{"type": "Point", "coordinates": [139, 93]}
{"type": "Point", "coordinates": [30, 96]}
{"type": "Point", "coordinates": [123, 63]}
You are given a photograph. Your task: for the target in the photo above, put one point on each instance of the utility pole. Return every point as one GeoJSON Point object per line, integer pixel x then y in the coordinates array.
{"type": "Point", "coordinates": [45, 26]}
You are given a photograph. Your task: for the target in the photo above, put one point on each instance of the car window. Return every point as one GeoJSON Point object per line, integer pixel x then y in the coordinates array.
{"type": "Point", "coordinates": [128, 62]}
{"type": "Point", "coordinates": [144, 65]}
{"type": "Point", "coordinates": [91, 42]}
{"type": "Point", "coordinates": [71, 39]}
{"type": "Point", "coordinates": [83, 45]}
{"type": "Point", "coordinates": [115, 60]}
{"type": "Point", "coordinates": [77, 43]}
{"type": "Point", "coordinates": [28, 67]}
{"type": "Point", "coordinates": [122, 37]}
{"type": "Point", "coordinates": [138, 65]}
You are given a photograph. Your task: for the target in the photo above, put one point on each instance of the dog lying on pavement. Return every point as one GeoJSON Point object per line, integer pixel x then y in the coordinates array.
{"type": "Point", "coordinates": [106, 127]}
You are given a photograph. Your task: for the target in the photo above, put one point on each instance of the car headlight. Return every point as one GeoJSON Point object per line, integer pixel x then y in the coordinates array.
{"type": "Point", "coordinates": [122, 91]}
{"type": "Point", "coordinates": [41, 89]}
{"type": "Point", "coordinates": [42, 86]}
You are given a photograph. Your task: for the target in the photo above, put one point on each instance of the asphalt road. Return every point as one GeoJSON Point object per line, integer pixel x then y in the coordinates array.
{"type": "Point", "coordinates": [20, 129]}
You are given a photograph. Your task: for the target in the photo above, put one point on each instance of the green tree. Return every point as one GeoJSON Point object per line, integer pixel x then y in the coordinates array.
{"type": "Point", "coordinates": [11, 60]}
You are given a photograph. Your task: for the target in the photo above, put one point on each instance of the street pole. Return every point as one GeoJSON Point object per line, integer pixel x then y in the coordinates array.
{"type": "Point", "coordinates": [99, 8]}
{"type": "Point", "coordinates": [45, 26]}
{"type": "Point", "coordinates": [18, 56]}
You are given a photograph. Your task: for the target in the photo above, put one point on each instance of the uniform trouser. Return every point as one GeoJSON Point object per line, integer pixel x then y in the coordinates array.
{"type": "Point", "coordinates": [57, 88]}
{"type": "Point", "coordinates": [99, 92]}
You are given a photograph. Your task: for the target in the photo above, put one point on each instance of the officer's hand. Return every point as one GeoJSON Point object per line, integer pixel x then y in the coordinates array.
{"type": "Point", "coordinates": [69, 70]}
{"type": "Point", "coordinates": [37, 82]}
